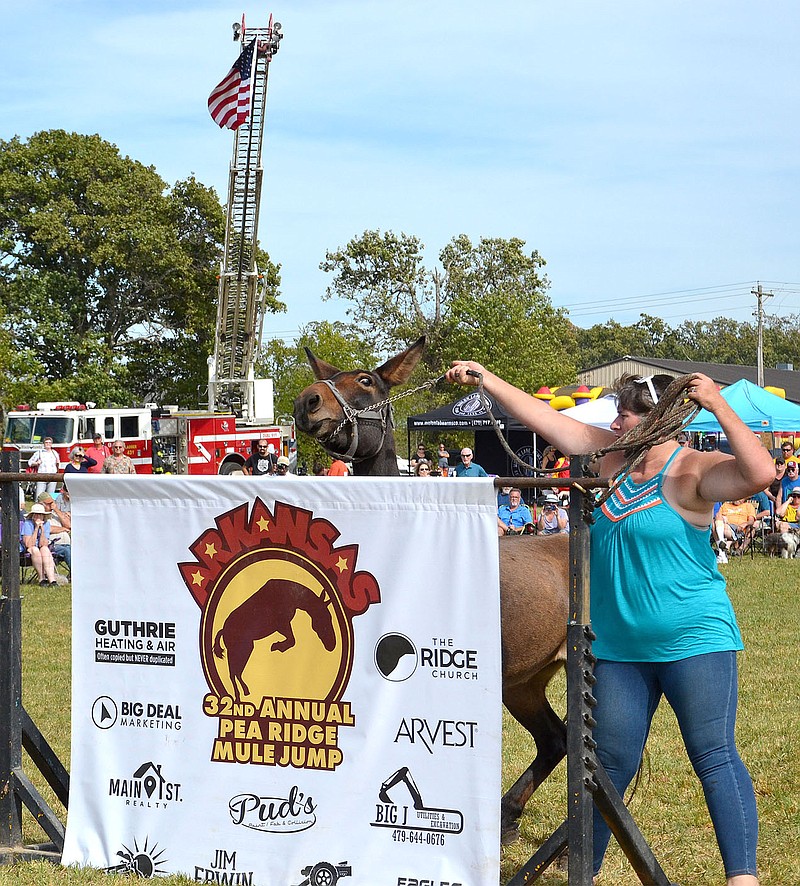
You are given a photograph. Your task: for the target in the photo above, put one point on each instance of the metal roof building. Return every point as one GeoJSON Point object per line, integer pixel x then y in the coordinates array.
{"type": "Point", "coordinates": [723, 373]}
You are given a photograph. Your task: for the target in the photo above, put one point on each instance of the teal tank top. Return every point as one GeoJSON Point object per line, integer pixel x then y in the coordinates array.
{"type": "Point", "coordinates": [656, 592]}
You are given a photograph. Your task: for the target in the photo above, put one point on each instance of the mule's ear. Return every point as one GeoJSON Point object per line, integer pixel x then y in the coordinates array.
{"type": "Point", "coordinates": [320, 368]}
{"type": "Point", "coordinates": [399, 368]}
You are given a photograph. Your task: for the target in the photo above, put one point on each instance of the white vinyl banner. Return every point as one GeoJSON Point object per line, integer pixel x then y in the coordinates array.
{"type": "Point", "coordinates": [286, 682]}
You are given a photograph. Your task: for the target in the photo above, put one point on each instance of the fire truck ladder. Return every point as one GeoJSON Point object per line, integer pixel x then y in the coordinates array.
{"type": "Point", "coordinates": [240, 307]}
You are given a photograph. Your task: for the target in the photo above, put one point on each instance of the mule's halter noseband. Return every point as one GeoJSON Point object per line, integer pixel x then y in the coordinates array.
{"type": "Point", "coordinates": [378, 412]}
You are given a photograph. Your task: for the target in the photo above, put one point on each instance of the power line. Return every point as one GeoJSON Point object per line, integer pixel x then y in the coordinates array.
{"type": "Point", "coordinates": [691, 298]}
{"type": "Point", "coordinates": [643, 303]}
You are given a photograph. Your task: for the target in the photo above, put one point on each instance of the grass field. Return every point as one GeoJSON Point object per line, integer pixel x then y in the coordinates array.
{"type": "Point", "coordinates": [668, 806]}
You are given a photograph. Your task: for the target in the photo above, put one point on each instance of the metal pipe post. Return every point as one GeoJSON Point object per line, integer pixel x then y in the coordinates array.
{"type": "Point", "coordinates": [10, 661]}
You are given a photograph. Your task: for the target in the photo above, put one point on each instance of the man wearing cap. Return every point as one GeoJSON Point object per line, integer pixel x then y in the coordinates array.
{"type": "Point", "coordinates": [788, 513]}
{"type": "Point", "coordinates": [553, 520]}
{"type": "Point", "coordinates": [791, 478]}
{"type": "Point", "coordinates": [515, 516]}
{"type": "Point", "coordinates": [99, 451]}
{"type": "Point", "coordinates": [282, 466]}
{"type": "Point", "coordinates": [262, 461]}
{"type": "Point", "coordinates": [774, 488]}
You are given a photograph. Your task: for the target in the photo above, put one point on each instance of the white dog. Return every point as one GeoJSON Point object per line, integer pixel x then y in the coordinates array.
{"type": "Point", "coordinates": [783, 543]}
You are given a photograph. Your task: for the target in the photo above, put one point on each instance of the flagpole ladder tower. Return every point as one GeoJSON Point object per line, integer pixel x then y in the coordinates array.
{"type": "Point", "coordinates": [239, 103]}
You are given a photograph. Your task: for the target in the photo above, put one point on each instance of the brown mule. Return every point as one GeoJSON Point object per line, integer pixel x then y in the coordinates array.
{"type": "Point", "coordinates": [534, 576]}
{"type": "Point", "coordinates": [269, 611]}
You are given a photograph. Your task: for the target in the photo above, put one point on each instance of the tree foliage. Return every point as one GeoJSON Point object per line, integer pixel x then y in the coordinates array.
{"type": "Point", "coordinates": [487, 301]}
{"type": "Point", "coordinates": [721, 340]}
{"type": "Point", "coordinates": [108, 276]}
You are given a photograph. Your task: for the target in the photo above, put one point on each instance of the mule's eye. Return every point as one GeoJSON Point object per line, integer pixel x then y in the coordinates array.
{"type": "Point", "coordinates": [366, 381]}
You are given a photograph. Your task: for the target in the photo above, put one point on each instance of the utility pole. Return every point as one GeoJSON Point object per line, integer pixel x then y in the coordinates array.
{"type": "Point", "coordinates": [760, 296]}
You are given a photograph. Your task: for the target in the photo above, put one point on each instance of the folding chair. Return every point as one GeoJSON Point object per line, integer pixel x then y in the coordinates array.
{"type": "Point", "coordinates": [27, 572]}
{"type": "Point", "coordinates": [761, 531]}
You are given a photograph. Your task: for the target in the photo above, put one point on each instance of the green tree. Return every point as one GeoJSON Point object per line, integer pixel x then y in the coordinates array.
{"type": "Point", "coordinates": [609, 341]}
{"type": "Point", "coordinates": [499, 313]}
{"type": "Point", "coordinates": [486, 301]}
{"type": "Point", "coordinates": [108, 276]}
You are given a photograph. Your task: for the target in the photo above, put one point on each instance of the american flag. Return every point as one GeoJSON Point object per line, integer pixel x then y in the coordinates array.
{"type": "Point", "coordinates": [229, 103]}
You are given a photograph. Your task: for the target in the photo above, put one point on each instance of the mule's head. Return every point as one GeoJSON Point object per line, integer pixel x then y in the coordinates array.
{"type": "Point", "coordinates": [324, 409]}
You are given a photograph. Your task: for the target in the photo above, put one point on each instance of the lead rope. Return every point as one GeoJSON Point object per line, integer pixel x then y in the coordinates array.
{"type": "Point", "coordinates": [665, 421]}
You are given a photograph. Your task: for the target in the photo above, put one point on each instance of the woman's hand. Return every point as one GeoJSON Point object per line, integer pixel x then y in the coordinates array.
{"type": "Point", "coordinates": [458, 374]}
{"type": "Point", "coordinates": [704, 391]}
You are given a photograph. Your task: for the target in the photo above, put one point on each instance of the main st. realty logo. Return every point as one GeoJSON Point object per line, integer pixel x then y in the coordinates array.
{"type": "Point", "coordinates": [276, 634]}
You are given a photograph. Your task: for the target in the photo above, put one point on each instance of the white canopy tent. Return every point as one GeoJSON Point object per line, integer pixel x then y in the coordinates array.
{"type": "Point", "coordinates": [600, 412]}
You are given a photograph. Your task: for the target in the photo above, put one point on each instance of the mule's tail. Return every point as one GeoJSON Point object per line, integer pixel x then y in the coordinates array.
{"type": "Point", "coordinates": [218, 644]}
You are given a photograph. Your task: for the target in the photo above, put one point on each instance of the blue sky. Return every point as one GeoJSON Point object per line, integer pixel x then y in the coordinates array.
{"type": "Point", "coordinates": [649, 151]}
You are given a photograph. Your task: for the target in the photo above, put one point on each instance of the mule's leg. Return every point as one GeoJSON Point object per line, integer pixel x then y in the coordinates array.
{"type": "Point", "coordinates": [288, 638]}
{"type": "Point", "coordinates": [238, 656]}
{"type": "Point", "coordinates": [528, 705]}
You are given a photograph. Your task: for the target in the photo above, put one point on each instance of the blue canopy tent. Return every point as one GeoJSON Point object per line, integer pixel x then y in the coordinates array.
{"type": "Point", "coordinates": [758, 409]}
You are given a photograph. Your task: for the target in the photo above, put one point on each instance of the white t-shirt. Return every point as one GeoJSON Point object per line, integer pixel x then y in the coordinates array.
{"type": "Point", "coordinates": [47, 459]}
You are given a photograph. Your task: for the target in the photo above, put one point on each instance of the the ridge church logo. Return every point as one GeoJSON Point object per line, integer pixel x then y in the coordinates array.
{"type": "Point", "coordinates": [276, 633]}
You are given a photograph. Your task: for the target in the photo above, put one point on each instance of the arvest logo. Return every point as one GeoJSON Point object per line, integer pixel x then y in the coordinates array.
{"type": "Point", "coordinates": [276, 634]}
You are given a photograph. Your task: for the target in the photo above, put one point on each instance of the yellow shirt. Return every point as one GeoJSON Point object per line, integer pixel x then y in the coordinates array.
{"type": "Point", "coordinates": [737, 515]}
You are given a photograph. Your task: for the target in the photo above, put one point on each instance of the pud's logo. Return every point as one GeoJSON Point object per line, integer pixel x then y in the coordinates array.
{"type": "Point", "coordinates": [276, 635]}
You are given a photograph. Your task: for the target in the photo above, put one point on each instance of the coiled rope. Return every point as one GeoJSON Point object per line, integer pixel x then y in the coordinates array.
{"type": "Point", "coordinates": [664, 422]}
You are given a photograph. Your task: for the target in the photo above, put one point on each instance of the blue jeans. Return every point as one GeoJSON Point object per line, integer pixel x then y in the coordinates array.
{"type": "Point", "coordinates": [63, 552]}
{"type": "Point", "coordinates": [702, 691]}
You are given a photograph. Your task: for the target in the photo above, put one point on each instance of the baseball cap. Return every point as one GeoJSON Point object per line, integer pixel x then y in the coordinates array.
{"type": "Point", "coordinates": [795, 491]}
{"type": "Point", "coordinates": [45, 496]}
{"type": "Point", "coordinates": [551, 499]}
{"type": "Point", "coordinates": [282, 460]}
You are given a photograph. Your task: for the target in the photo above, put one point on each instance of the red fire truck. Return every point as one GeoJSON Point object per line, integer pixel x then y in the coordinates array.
{"type": "Point", "coordinates": [240, 406]}
{"type": "Point", "coordinates": [165, 441]}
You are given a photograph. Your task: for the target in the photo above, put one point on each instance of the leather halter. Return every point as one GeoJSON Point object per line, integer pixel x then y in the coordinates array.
{"type": "Point", "coordinates": [380, 412]}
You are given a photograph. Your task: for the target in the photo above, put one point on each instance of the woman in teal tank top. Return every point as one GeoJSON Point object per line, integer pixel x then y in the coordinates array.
{"type": "Point", "coordinates": [664, 623]}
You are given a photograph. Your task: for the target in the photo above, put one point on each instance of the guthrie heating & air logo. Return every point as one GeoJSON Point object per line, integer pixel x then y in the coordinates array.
{"type": "Point", "coordinates": [276, 633]}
